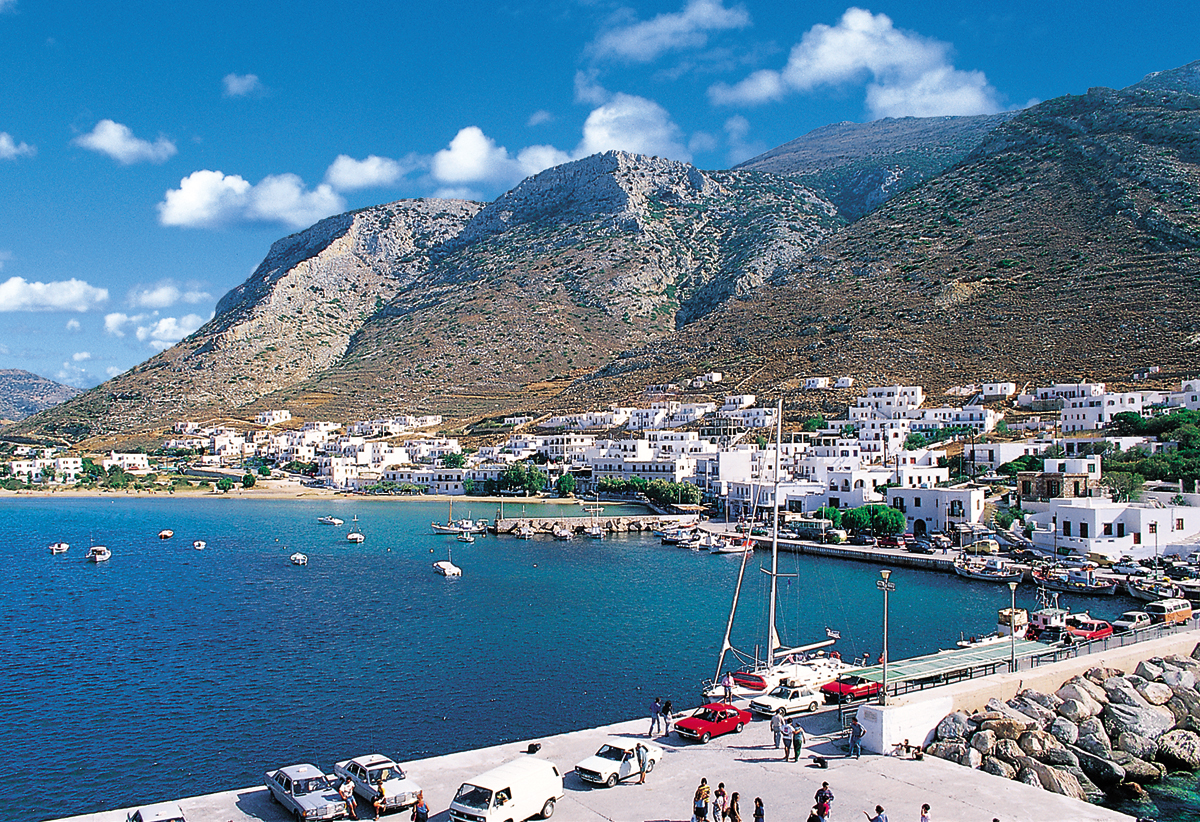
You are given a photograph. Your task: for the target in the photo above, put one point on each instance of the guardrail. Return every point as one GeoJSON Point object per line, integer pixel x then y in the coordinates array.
{"type": "Point", "coordinates": [1093, 646]}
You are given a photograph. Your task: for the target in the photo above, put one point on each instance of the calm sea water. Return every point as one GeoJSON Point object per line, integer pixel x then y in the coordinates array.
{"type": "Point", "coordinates": [170, 672]}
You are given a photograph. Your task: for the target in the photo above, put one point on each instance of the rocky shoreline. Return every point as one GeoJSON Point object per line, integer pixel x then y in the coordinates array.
{"type": "Point", "coordinates": [1102, 735]}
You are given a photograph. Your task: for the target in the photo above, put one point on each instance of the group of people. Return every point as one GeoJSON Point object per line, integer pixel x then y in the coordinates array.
{"type": "Point", "coordinates": [420, 811]}
{"type": "Point", "coordinates": [789, 734]}
{"type": "Point", "coordinates": [660, 717]}
{"type": "Point", "coordinates": [726, 807]}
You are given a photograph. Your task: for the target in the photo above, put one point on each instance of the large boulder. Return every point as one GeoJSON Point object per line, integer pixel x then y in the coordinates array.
{"type": "Point", "coordinates": [1101, 770]}
{"type": "Point", "coordinates": [1180, 749]}
{"type": "Point", "coordinates": [1078, 710]}
{"type": "Point", "coordinates": [1122, 692]}
{"type": "Point", "coordinates": [1181, 663]}
{"type": "Point", "coordinates": [1150, 722]}
{"type": "Point", "coordinates": [1035, 743]}
{"type": "Point", "coordinates": [1189, 697]}
{"type": "Point", "coordinates": [1008, 750]}
{"type": "Point", "coordinates": [1093, 737]}
{"type": "Point", "coordinates": [1148, 670]}
{"type": "Point", "coordinates": [1078, 686]}
{"type": "Point", "coordinates": [1054, 779]}
{"type": "Point", "coordinates": [970, 758]}
{"type": "Point", "coordinates": [1048, 701]}
{"type": "Point", "coordinates": [1059, 758]}
{"type": "Point", "coordinates": [1099, 675]}
{"type": "Point", "coordinates": [1155, 693]}
{"type": "Point", "coordinates": [1179, 710]}
{"type": "Point", "coordinates": [1139, 770]}
{"type": "Point", "coordinates": [1090, 789]}
{"type": "Point", "coordinates": [1029, 777]}
{"type": "Point", "coordinates": [984, 742]}
{"type": "Point", "coordinates": [1040, 713]}
{"type": "Point", "coordinates": [1011, 713]}
{"type": "Point", "coordinates": [1064, 730]}
{"type": "Point", "coordinates": [953, 726]}
{"type": "Point", "coordinates": [950, 751]}
{"type": "Point", "coordinates": [1006, 728]}
{"type": "Point", "coordinates": [1138, 746]}
{"type": "Point", "coordinates": [998, 767]}
{"type": "Point", "coordinates": [1174, 678]}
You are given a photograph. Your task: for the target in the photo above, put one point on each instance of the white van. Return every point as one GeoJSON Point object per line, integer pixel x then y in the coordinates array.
{"type": "Point", "coordinates": [1169, 610]}
{"type": "Point", "coordinates": [512, 792]}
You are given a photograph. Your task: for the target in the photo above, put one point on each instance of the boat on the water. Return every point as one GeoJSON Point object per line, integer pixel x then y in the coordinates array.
{"type": "Point", "coordinates": [199, 544]}
{"type": "Point", "coordinates": [524, 532]}
{"type": "Point", "coordinates": [457, 527]}
{"type": "Point", "coordinates": [299, 558]}
{"type": "Point", "coordinates": [594, 532]}
{"type": "Point", "coordinates": [562, 532]}
{"type": "Point", "coordinates": [1009, 623]}
{"type": "Point", "coordinates": [166, 533]}
{"type": "Point", "coordinates": [677, 536]}
{"type": "Point", "coordinates": [466, 536]}
{"type": "Point", "coordinates": [59, 548]}
{"type": "Point", "coordinates": [1074, 580]}
{"type": "Point", "coordinates": [356, 535]}
{"type": "Point", "coordinates": [330, 520]}
{"type": "Point", "coordinates": [1048, 624]}
{"type": "Point", "coordinates": [987, 570]}
{"type": "Point", "coordinates": [98, 553]}
{"type": "Point", "coordinates": [1148, 590]}
{"type": "Point", "coordinates": [446, 567]}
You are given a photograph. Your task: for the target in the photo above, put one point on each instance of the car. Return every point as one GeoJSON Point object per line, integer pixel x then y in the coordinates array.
{"type": "Point", "coordinates": [1087, 627]}
{"type": "Point", "coordinates": [162, 812]}
{"type": "Point", "coordinates": [366, 772]}
{"type": "Point", "coordinates": [891, 541]}
{"type": "Point", "coordinates": [1131, 621]}
{"type": "Point", "coordinates": [713, 720]}
{"type": "Point", "coordinates": [512, 792]}
{"type": "Point", "coordinates": [919, 547]}
{"type": "Point", "coordinates": [862, 539]}
{"type": "Point", "coordinates": [1127, 566]}
{"type": "Point", "coordinates": [787, 700]}
{"type": "Point", "coordinates": [616, 760]}
{"type": "Point", "coordinates": [982, 546]}
{"type": "Point", "coordinates": [305, 792]}
{"type": "Point", "coordinates": [849, 689]}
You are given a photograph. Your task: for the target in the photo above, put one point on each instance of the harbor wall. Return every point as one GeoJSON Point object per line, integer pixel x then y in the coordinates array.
{"type": "Point", "coordinates": [915, 716]}
{"type": "Point", "coordinates": [644, 522]}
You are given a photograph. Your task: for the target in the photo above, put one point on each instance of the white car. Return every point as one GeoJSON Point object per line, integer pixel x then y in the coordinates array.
{"type": "Point", "coordinates": [366, 772]}
{"type": "Point", "coordinates": [615, 761]}
{"type": "Point", "coordinates": [1131, 621]}
{"type": "Point", "coordinates": [305, 792]}
{"type": "Point", "coordinates": [788, 699]}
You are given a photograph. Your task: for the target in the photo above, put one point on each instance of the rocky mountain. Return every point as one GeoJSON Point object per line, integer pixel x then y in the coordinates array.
{"type": "Point", "coordinates": [23, 394]}
{"type": "Point", "coordinates": [860, 166]}
{"type": "Point", "coordinates": [429, 304]}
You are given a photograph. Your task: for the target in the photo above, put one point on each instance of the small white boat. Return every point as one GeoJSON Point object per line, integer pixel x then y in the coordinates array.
{"type": "Point", "coordinates": [525, 532]}
{"type": "Point", "coordinates": [447, 568]}
{"type": "Point", "coordinates": [199, 545]}
{"type": "Point", "coordinates": [356, 536]}
{"type": "Point", "coordinates": [299, 559]}
{"type": "Point", "coordinates": [166, 533]}
{"type": "Point", "coordinates": [466, 536]}
{"type": "Point", "coordinates": [562, 532]}
{"type": "Point", "coordinates": [734, 546]}
{"type": "Point", "coordinates": [328, 520]}
{"type": "Point", "coordinates": [98, 553]}
{"type": "Point", "coordinates": [59, 548]}
{"type": "Point", "coordinates": [594, 532]}
{"type": "Point", "coordinates": [1009, 623]}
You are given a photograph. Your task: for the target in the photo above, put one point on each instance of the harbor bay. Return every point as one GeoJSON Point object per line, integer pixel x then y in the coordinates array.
{"type": "Point", "coordinates": [170, 671]}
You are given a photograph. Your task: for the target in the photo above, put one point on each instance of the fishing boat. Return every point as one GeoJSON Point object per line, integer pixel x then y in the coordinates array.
{"type": "Point", "coordinates": [467, 537]}
{"type": "Point", "coordinates": [524, 532]}
{"type": "Point", "coordinates": [199, 544]}
{"type": "Point", "coordinates": [594, 532]}
{"type": "Point", "coordinates": [166, 533]}
{"type": "Point", "coordinates": [98, 553]}
{"type": "Point", "coordinates": [562, 532]}
{"type": "Point", "coordinates": [453, 527]}
{"type": "Point", "coordinates": [1009, 623]}
{"type": "Point", "coordinates": [1074, 581]}
{"type": "Point", "coordinates": [355, 536]}
{"type": "Point", "coordinates": [808, 664]}
{"type": "Point", "coordinates": [1148, 590]}
{"type": "Point", "coordinates": [299, 558]}
{"type": "Point", "coordinates": [59, 548]}
{"type": "Point", "coordinates": [446, 567]}
{"type": "Point", "coordinates": [989, 570]}
{"type": "Point", "coordinates": [1047, 624]}
{"type": "Point", "coordinates": [676, 536]}
{"type": "Point", "coordinates": [733, 546]}
{"type": "Point", "coordinates": [708, 541]}
{"type": "Point", "coordinates": [329, 520]}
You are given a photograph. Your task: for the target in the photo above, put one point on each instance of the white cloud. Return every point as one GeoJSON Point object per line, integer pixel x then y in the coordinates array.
{"type": "Point", "coordinates": [635, 124]}
{"type": "Point", "coordinates": [909, 75]}
{"type": "Point", "coordinates": [72, 374]}
{"type": "Point", "coordinates": [80, 356]}
{"type": "Point", "coordinates": [65, 295]}
{"type": "Point", "coordinates": [458, 193]}
{"type": "Point", "coordinates": [348, 174]}
{"type": "Point", "coordinates": [112, 371]}
{"type": "Point", "coordinates": [210, 198]}
{"type": "Point", "coordinates": [538, 117]}
{"type": "Point", "coordinates": [73, 325]}
{"type": "Point", "coordinates": [737, 128]}
{"type": "Point", "coordinates": [241, 85]}
{"type": "Point", "coordinates": [473, 157]}
{"type": "Point", "coordinates": [118, 142]}
{"type": "Point", "coordinates": [588, 89]}
{"type": "Point", "coordinates": [164, 295]}
{"type": "Point", "coordinates": [115, 323]}
{"type": "Point", "coordinates": [645, 40]}
{"type": "Point", "coordinates": [167, 331]}
{"type": "Point", "coordinates": [10, 149]}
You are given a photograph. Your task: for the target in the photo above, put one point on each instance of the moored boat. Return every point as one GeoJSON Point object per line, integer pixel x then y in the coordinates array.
{"type": "Point", "coordinates": [298, 559]}
{"type": "Point", "coordinates": [524, 532]}
{"type": "Point", "coordinates": [1148, 590]}
{"type": "Point", "coordinates": [98, 553]}
{"type": "Point", "coordinates": [989, 570]}
{"type": "Point", "coordinates": [446, 567]}
{"type": "Point", "coordinates": [330, 520]}
{"type": "Point", "coordinates": [457, 527]}
{"type": "Point", "coordinates": [199, 544]}
{"type": "Point", "coordinates": [562, 532]}
{"type": "Point", "coordinates": [356, 535]}
{"type": "Point", "coordinates": [466, 536]}
{"type": "Point", "coordinates": [166, 533]}
{"type": "Point", "coordinates": [1074, 581]}
{"type": "Point", "coordinates": [59, 548]}
{"type": "Point", "coordinates": [1009, 623]}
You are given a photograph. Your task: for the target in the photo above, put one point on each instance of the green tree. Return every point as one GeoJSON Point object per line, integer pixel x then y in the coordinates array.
{"type": "Point", "coordinates": [224, 484]}
{"type": "Point", "coordinates": [248, 481]}
{"type": "Point", "coordinates": [1188, 437]}
{"type": "Point", "coordinates": [914, 441]}
{"type": "Point", "coordinates": [264, 471]}
{"type": "Point", "coordinates": [565, 485]}
{"type": "Point", "coordinates": [834, 515]}
{"type": "Point", "coordinates": [1125, 487]}
{"type": "Point", "coordinates": [454, 460]}
{"type": "Point", "coordinates": [814, 423]}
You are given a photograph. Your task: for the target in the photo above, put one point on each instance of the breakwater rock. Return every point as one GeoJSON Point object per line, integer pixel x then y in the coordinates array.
{"type": "Point", "coordinates": [1105, 732]}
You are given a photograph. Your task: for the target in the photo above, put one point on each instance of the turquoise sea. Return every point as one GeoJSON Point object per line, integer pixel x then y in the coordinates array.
{"type": "Point", "coordinates": [170, 672]}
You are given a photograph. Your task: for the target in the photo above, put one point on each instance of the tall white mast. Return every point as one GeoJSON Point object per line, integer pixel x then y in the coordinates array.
{"type": "Point", "coordinates": [772, 637]}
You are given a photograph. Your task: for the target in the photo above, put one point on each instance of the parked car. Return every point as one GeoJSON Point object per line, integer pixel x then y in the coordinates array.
{"type": "Point", "coordinates": [1087, 627]}
{"type": "Point", "coordinates": [1131, 621]}
{"type": "Point", "coordinates": [366, 772]}
{"type": "Point", "coordinates": [891, 541]}
{"type": "Point", "coordinates": [713, 720]}
{"type": "Point", "coordinates": [305, 792]}
{"type": "Point", "coordinates": [516, 790]}
{"type": "Point", "coordinates": [920, 547]}
{"type": "Point", "coordinates": [616, 760]}
{"type": "Point", "coordinates": [862, 539]}
{"type": "Point", "coordinates": [1126, 565]}
{"type": "Point", "coordinates": [788, 700]}
{"type": "Point", "coordinates": [1169, 610]}
{"type": "Point", "coordinates": [162, 812]}
{"type": "Point", "coordinates": [982, 546]}
{"type": "Point", "coordinates": [850, 688]}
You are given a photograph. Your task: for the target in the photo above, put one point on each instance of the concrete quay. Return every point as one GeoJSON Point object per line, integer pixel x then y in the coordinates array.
{"type": "Point", "coordinates": [747, 763]}
{"type": "Point", "coordinates": [896, 557]}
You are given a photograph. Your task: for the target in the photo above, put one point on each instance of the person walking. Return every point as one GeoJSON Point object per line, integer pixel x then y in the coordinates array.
{"type": "Point", "coordinates": [700, 801]}
{"type": "Point", "coordinates": [346, 792]}
{"type": "Point", "coordinates": [666, 718]}
{"type": "Point", "coordinates": [925, 812]}
{"type": "Point", "coordinates": [879, 816]}
{"type": "Point", "coordinates": [760, 813]}
{"type": "Point", "coordinates": [824, 799]}
{"type": "Point", "coordinates": [857, 732]}
{"type": "Point", "coordinates": [720, 802]}
{"type": "Point", "coordinates": [785, 734]}
{"type": "Point", "coordinates": [776, 725]}
{"type": "Point", "coordinates": [642, 751]}
{"type": "Point", "coordinates": [420, 811]}
{"type": "Point", "coordinates": [734, 813]}
{"type": "Point", "coordinates": [655, 715]}
{"type": "Point", "coordinates": [797, 739]}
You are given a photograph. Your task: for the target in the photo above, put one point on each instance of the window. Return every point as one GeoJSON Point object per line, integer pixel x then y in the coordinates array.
{"type": "Point", "coordinates": [1066, 529]}
{"type": "Point", "coordinates": [916, 502]}
{"type": "Point", "coordinates": [1153, 529]}
{"type": "Point", "coordinates": [1083, 530]}
{"type": "Point", "coordinates": [1137, 537]}
{"type": "Point", "coordinates": [1108, 529]}
{"type": "Point", "coordinates": [1179, 524]}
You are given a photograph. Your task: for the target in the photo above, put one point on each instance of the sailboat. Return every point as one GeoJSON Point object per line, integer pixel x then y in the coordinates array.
{"type": "Point", "coordinates": [594, 530]}
{"type": "Point", "coordinates": [802, 665]}
{"type": "Point", "coordinates": [446, 567]}
{"type": "Point", "coordinates": [356, 535]}
{"type": "Point", "coordinates": [452, 527]}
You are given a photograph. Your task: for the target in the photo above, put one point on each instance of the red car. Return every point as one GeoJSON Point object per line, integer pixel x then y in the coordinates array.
{"type": "Point", "coordinates": [891, 541]}
{"type": "Point", "coordinates": [712, 720]}
{"type": "Point", "coordinates": [850, 688]}
{"type": "Point", "coordinates": [1088, 628]}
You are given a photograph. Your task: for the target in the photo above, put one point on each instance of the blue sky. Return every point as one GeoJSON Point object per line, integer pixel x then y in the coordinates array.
{"type": "Point", "coordinates": [151, 152]}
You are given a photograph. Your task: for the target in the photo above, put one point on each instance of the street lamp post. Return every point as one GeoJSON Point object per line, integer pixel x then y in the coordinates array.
{"type": "Point", "coordinates": [885, 586]}
{"type": "Point", "coordinates": [1012, 628]}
